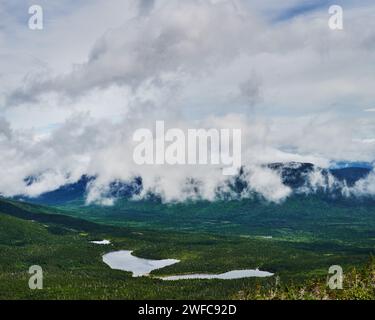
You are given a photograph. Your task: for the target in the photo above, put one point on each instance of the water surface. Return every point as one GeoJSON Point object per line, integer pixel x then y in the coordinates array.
{"type": "Point", "coordinates": [102, 242]}
{"type": "Point", "coordinates": [124, 260]}
{"type": "Point", "coordinates": [235, 274]}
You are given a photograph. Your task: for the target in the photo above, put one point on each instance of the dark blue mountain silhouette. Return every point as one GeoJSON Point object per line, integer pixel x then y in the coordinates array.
{"type": "Point", "coordinates": [293, 174]}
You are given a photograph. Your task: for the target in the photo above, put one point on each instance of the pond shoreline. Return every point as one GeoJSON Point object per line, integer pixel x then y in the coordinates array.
{"type": "Point", "coordinates": [124, 260]}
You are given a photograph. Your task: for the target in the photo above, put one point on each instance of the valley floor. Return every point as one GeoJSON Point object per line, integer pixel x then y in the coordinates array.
{"type": "Point", "coordinates": [73, 267]}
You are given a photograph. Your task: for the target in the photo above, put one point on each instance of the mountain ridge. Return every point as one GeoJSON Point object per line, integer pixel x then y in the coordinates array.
{"type": "Point", "coordinates": [295, 175]}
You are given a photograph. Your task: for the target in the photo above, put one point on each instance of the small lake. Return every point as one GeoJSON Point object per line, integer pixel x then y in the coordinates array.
{"type": "Point", "coordinates": [101, 242]}
{"type": "Point", "coordinates": [235, 274]}
{"type": "Point", "coordinates": [124, 260]}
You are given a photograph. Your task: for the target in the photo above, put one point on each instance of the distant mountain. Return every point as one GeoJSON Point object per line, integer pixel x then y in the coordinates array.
{"type": "Point", "coordinates": [356, 164]}
{"type": "Point", "coordinates": [64, 194]}
{"type": "Point", "coordinates": [293, 174]}
{"type": "Point", "coordinates": [77, 191]}
{"type": "Point", "coordinates": [350, 175]}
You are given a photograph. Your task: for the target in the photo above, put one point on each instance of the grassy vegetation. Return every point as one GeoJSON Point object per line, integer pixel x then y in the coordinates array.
{"type": "Point", "coordinates": [311, 217]}
{"type": "Point", "coordinates": [73, 269]}
{"type": "Point", "coordinates": [358, 284]}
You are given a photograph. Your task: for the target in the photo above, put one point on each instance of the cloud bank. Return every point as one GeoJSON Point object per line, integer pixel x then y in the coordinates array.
{"type": "Point", "coordinates": [297, 90]}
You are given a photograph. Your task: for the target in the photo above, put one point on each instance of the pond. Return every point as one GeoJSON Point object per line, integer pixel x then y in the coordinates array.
{"type": "Point", "coordinates": [101, 242]}
{"type": "Point", "coordinates": [124, 260]}
{"type": "Point", "coordinates": [235, 274]}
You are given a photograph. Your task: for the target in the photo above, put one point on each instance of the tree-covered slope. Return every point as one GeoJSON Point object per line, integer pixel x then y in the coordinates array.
{"type": "Point", "coordinates": [35, 235]}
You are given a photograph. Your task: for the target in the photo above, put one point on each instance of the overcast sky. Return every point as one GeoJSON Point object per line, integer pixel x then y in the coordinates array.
{"type": "Point", "coordinates": [72, 94]}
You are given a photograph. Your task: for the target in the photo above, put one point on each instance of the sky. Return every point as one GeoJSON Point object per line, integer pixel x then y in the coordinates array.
{"type": "Point", "coordinates": [72, 94]}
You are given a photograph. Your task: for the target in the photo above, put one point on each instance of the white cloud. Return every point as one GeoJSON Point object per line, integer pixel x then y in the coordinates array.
{"type": "Point", "coordinates": [366, 186]}
{"type": "Point", "coordinates": [97, 73]}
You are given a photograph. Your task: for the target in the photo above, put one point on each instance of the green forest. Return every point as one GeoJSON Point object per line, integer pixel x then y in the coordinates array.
{"type": "Point", "coordinates": [299, 254]}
